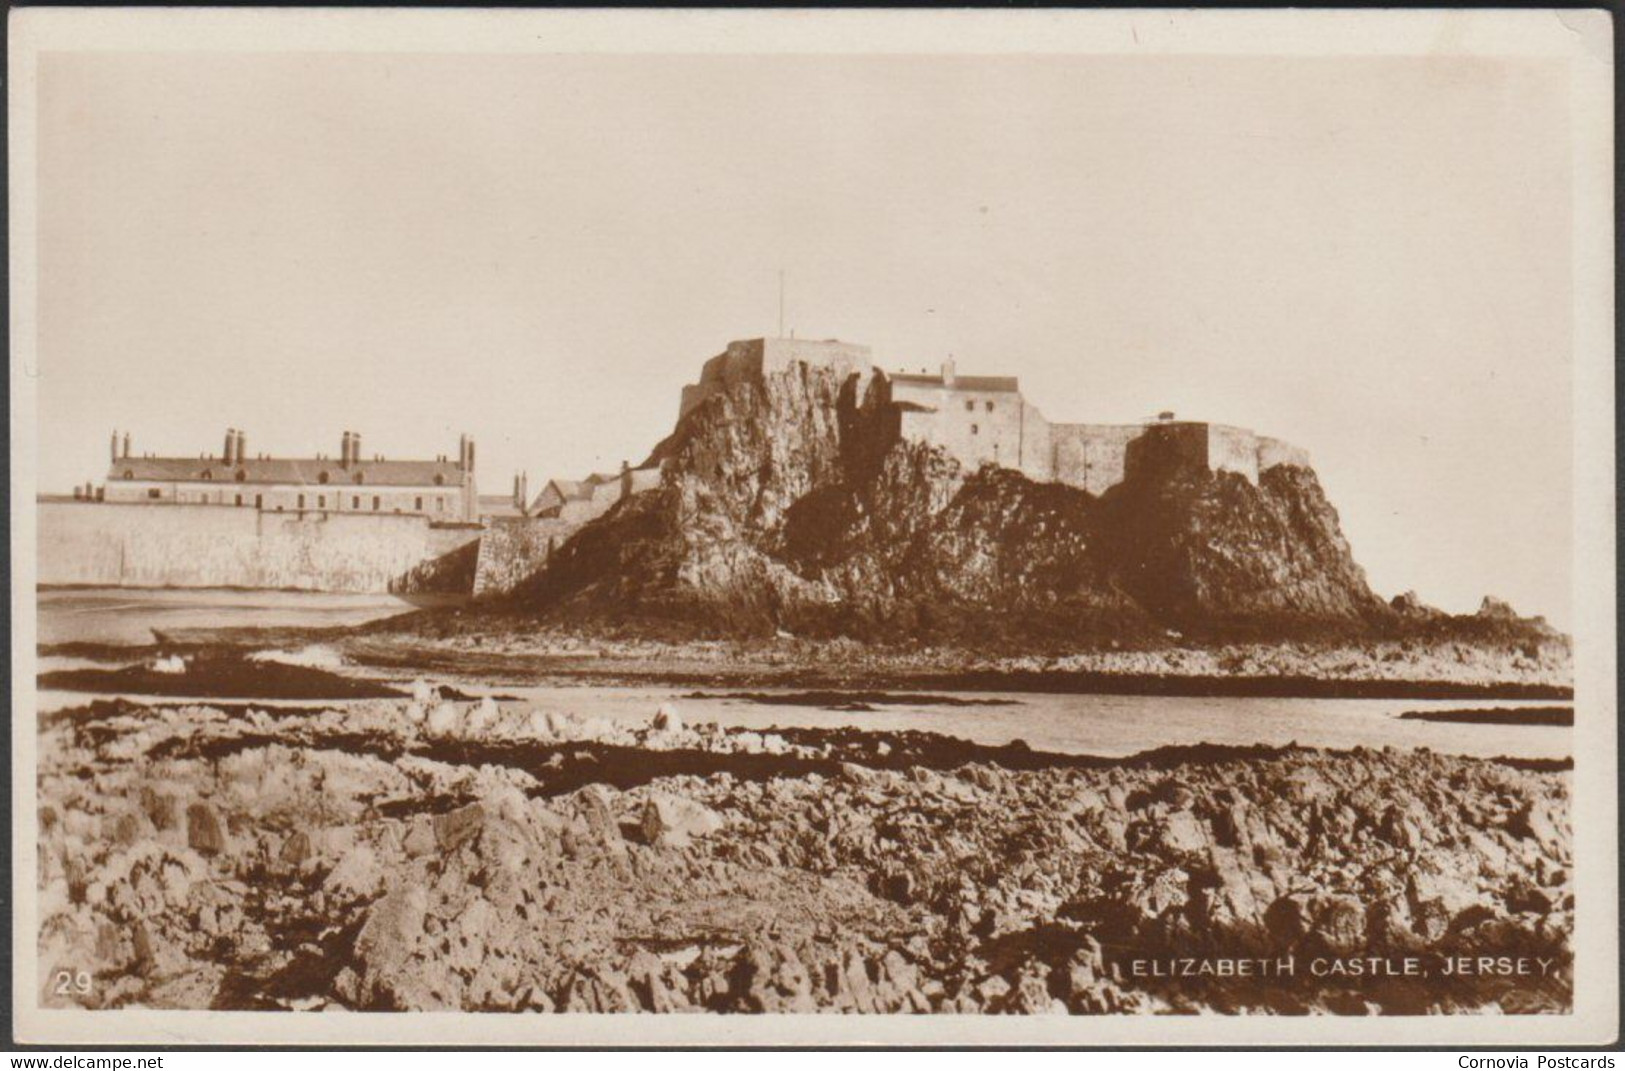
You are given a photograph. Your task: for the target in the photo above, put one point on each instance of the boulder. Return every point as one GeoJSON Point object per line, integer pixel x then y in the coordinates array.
{"type": "Point", "coordinates": [357, 875]}
{"type": "Point", "coordinates": [420, 839]}
{"type": "Point", "coordinates": [455, 828]}
{"type": "Point", "coordinates": [858, 775]}
{"type": "Point", "coordinates": [481, 717]}
{"type": "Point", "coordinates": [594, 804]}
{"type": "Point", "coordinates": [296, 850]}
{"type": "Point", "coordinates": [129, 828]}
{"type": "Point", "coordinates": [672, 821]}
{"type": "Point", "coordinates": [1410, 604]}
{"type": "Point", "coordinates": [205, 833]}
{"type": "Point", "coordinates": [1164, 891]}
{"type": "Point", "coordinates": [1535, 821]}
{"type": "Point", "coordinates": [1335, 922]}
{"type": "Point", "coordinates": [667, 719]}
{"type": "Point", "coordinates": [161, 808]}
{"type": "Point", "coordinates": [444, 720]}
{"type": "Point", "coordinates": [392, 929]}
{"type": "Point", "coordinates": [1182, 832]}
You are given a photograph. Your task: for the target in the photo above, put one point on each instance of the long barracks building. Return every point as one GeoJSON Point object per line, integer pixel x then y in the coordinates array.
{"type": "Point", "coordinates": [441, 489]}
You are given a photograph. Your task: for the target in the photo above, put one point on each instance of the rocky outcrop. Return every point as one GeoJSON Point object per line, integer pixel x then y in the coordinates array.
{"type": "Point", "coordinates": [789, 502]}
{"type": "Point", "coordinates": [531, 860]}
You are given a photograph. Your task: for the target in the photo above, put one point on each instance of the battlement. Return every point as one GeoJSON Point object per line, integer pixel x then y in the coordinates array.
{"type": "Point", "coordinates": [755, 357]}
{"type": "Point", "coordinates": [985, 420]}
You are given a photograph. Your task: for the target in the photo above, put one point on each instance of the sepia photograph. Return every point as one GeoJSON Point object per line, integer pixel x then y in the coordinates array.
{"type": "Point", "coordinates": [900, 527]}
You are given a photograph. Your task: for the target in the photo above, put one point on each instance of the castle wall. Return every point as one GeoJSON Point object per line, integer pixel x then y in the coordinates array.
{"type": "Point", "coordinates": [753, 357]}
{"type": "Point", "coordinates": [514, 548]}
{"type": "Point", "coordinates": [1232, 450]}
{"type": "Point", "coordinates": [1037, 444]}
{"type": "Point", "coordinates": [135, 545]}
{"type": "Point", "coordinates": [1161, 447]}
{"type": "Point", "coordinates": [1273, 452]}
{"type": "Point", "coordinates": [1091, 456]}
{"type": "Point", "coordinates": [975, 427]}
{"type": "Point", "coordinates": [844, 358]}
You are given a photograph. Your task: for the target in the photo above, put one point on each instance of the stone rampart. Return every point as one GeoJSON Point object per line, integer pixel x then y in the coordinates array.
{"type": "Point", "coordinates": [118, 545]}
{"type": "Point", "coordinates": [514, 548]}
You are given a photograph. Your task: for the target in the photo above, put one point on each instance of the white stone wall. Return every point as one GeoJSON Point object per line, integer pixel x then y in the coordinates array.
{"type": "Point", "coordinates": [975, 427]}
{"type": "Point", "coordinates": [1273, 452]}
{"type": "Point", "coordinates": [1092, 456]}
{"type": "Point", "coordinates": [133, 545]}
{"type": "Point", "coordinates": [752, 357]}
{"type": "Point", "coordinates": [1231, 449]}
{"type": "Point", "coordinates": [441, 502]}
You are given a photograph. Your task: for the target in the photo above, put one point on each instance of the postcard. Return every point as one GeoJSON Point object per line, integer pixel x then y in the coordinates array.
{"type": "Point", "coordinates": [813, 527]}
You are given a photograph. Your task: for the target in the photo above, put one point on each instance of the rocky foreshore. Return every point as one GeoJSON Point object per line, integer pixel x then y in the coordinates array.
{"type": "Point", "coordinates": [430, 854]}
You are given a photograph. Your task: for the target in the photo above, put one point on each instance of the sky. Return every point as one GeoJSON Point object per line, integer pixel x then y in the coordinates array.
{"type": "Point", "coordinates": [1368, 257]}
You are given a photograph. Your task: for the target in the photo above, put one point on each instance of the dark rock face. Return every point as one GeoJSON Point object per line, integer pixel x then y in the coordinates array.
{"type": "Point", "coordinates": [791, 503]}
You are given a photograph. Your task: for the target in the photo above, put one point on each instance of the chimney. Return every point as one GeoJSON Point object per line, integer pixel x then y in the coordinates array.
{"type": "Point", "coordinates": [242, 444]}
{"type": "Point", "coordinates": [626, 479]}
{"type": "Point", "coordinates": [126, 445]}
{"type": "Point", "coordinates": [524, 492]}
{"type": "Point", "coordinates": [516, 491]}
{"type": "Point", "coordinates": [113, 449]}
{"type": "Point", "coordinates": [355, 448]}
{"type": "Point", "coordinates": [469, 464]}
{"type": "Point", "coordinates": [948, 372]}
{"type": "Point", "coordinates": [230, 455]}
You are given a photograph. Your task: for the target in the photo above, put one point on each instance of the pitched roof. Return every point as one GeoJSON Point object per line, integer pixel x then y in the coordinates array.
{"type": "Point", "coordinates": [287, 470]}
{"type": "Point", "coordinates": [498, 506]}
{"type": "Point", "coordinates": [967, 383]}
{"type": "Point", "coordinates": [569, 489]}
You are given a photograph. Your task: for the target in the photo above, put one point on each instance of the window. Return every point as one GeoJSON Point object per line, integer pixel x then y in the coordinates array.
{"type": "Point", "coordinates": [153, 492]}
{"type": "Point", "coordinates": [374, 501]}
{"type": "Point", "coordinates": [301, 501]}
{"type": "Point", "coordinates": [321, 501]}
{"type": "Point", "coordinates": [420, 503]}
{"type": "Point", "coordinates": [259, 501]}
{"type": "Point", "coordinates": [970, 405]}
{"type": "Point", "coordinates": [239, 500]}
{"type": "Point", "coordinates": [360, 477]}
{"type": "Point", "coordinates": [975, 429]}
{"type": "Point", "coordinates": [440, 479]}
{"type": "Point", "coordinates": [208, 474]}
{"type": "Point", "coordinates": [321, 477]}
{"type": "Point", "coordinates": [241, 475]}
{"type": "Point", "coordinates": [990, 407]}
{"type": "Point", "coordinates": [129, 474]}
{"type": "Point", "coordinates": [440, 503]}
{"type": "Point", "coordinates": [355, 501]}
